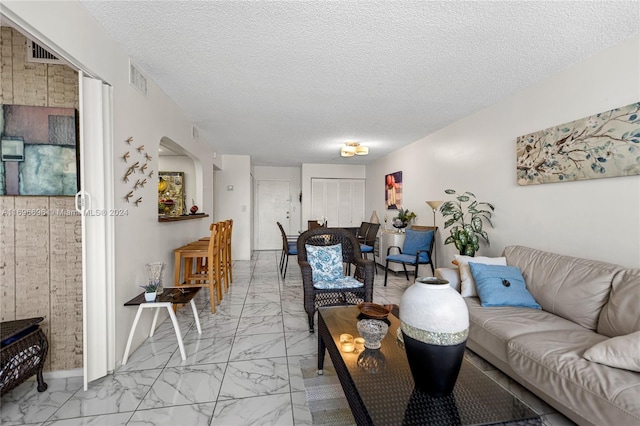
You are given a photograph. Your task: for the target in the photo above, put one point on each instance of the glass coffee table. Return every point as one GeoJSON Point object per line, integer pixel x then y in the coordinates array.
{"type": "Point", "coordinates": [380, 389]}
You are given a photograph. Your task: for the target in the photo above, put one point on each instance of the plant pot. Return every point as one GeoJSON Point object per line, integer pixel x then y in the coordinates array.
{"type": "Point", "coordinates": [435, 324]}
{"type": "Point", "coordinates": [150, 297]}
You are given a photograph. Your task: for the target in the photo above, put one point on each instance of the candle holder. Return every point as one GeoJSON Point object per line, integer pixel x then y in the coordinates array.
{"type": "Point", "coordinates": [346, 343]}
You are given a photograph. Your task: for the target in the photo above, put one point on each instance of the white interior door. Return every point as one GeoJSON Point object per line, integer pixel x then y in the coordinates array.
{"type": "Point", "coordinates": [274, 205]}
{"type": "Point", "coordinates": [94, 198]}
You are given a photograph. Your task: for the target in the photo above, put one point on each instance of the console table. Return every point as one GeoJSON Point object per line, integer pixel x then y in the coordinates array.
{"type": "Point", "coordinates": [380, 389]}
{"type": "Point", "coordinates": [170, 296]}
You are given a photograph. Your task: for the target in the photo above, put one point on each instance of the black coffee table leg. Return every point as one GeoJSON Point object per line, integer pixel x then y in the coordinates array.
{"type": "Point", "coordinates": [322, 348]}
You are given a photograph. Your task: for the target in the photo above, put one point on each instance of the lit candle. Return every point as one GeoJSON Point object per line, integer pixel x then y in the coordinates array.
{"type": "Point", "coordinates": [359, 343]}
{"type": "Point", "coordinates": [346, 343]}
{"type": "Point", "coordinates": [347, 346]}
{"type": "Point", "coordinates": [346, 338]}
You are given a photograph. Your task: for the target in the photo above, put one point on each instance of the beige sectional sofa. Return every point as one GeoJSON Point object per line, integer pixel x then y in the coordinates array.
{"type": "Point", "coordinates": [584, 303]}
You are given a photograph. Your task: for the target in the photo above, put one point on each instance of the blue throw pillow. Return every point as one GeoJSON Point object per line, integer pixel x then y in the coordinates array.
{"type": "Point", "coordinates": [417, 240]}
{"type": "Point", "coordinates": [499, 285]}
{"type": "Point", "coordinates": [325, 262]}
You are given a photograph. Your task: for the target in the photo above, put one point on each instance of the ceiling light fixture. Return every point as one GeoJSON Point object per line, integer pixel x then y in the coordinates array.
{"type": "Point", "coordinates": [353, 148]}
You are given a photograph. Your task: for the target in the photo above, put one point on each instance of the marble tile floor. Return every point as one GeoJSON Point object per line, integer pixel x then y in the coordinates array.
{"type": "Point", "coordinates": [242, 370]}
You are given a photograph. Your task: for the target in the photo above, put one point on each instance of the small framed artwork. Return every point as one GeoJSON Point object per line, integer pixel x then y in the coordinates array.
{"type": "Point", "coordinates": [393, 191]}
{"type": "Point", "coordinates": [171, 195]}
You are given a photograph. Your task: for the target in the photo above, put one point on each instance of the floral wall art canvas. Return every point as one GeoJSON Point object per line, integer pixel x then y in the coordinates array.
{"type": "Point", "coordinates": [393, 190]}
{"type": "Point", "coordinates": [602, 145]}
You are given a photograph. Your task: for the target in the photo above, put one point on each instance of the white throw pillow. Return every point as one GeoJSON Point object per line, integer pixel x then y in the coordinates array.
{"type": "Point", "coordinates": [467, 285]}
{"type": "Point", "coordinates": [618, 352]}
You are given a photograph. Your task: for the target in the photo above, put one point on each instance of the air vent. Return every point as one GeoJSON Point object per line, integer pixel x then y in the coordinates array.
{"type": "Point", "coordinates": [37, 53]}
{"type": "Point", "coordinates": [137, 80]}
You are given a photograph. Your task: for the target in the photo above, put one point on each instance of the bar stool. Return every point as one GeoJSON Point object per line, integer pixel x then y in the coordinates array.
{"type": "Point", "coordinates": [194, 252]}
{"type": "Point", "coordinates": [229, 263]}
{"type": "Point", "coordinates": [222, 253]}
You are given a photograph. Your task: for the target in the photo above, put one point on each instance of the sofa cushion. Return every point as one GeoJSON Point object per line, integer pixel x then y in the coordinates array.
{"type": "Point", "coordinates": [619, 352]}
{"type": "Point", "coordinates": [619, 316]}
{"type": "Point", "coordinates": [501, 286]}
{"type": "Point", "coordinates": [494, 327]}
{"type": "Point", "coordinates": [467, 284]}
{"type": "Point", "coordinates": [573, 288]}
{"type": "Point", "coordinates": [552, 362]}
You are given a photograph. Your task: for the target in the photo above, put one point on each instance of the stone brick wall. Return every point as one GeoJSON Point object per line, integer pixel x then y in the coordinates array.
{"type": "Point", "coordinates": [41, 253]}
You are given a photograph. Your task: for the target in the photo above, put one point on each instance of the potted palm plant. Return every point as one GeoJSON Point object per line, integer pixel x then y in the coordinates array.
{"type": "Point", "coordinates": [466, 216]}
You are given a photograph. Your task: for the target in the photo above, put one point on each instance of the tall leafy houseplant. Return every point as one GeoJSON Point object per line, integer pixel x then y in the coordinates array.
{"type": "Point", "coordinates": [466, 216]}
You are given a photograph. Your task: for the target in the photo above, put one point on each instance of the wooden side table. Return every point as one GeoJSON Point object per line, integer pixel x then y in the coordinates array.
{"type": "Point", "coordinates": [169, 297]}
{"type": "Point", "coordinates": [24, 350]}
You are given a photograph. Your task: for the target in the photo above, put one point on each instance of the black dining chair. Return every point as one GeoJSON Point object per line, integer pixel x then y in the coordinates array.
{"type": "Point", "coordinates": [367, 245]}
{"type": "Point", "coordinates": [361, 233]}
{"type": "Point", "coordinates": [288, 249]}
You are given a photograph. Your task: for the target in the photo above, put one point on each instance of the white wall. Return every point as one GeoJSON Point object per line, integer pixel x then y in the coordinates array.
{"type": "Point", "coordinates": [291, 174]}
{"type": "Point", "coordinates": [597, 219]}
{"type": "Point", "coordinates": [236, 204]}
{"type": "Point", "coordinates": [139, 238]}
{"type": "Point", "coordinates": [336, 171]}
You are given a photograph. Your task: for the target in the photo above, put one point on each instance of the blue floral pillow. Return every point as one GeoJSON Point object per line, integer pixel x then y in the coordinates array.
{"type": "Point", "coordinates": [499, 285]}
{"type": "Point", "coordinates": [325, 262]}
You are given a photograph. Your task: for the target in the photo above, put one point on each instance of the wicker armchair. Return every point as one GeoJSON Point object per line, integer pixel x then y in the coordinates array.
{"type": "Point", "coordinates": [364, 271]}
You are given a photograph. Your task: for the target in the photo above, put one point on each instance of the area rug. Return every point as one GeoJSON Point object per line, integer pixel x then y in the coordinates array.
{"type": "Point", "coordinates": [327, 402]}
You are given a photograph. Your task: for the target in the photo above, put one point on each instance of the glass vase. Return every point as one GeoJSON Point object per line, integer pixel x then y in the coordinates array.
{"type": "Point", "coordinates": [155, 271]}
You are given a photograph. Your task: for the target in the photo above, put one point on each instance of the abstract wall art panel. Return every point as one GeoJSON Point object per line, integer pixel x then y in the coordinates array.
{"type": "Point", "coordinates": [599, 146]}
{"type": "Point", "coordinates": [44, 158]}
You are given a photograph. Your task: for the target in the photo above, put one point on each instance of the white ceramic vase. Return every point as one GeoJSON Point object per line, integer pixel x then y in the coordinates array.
{"type": "Point", "coordinates": [435, 324]}
{"type": "Point", "coordinates": [150, 297]}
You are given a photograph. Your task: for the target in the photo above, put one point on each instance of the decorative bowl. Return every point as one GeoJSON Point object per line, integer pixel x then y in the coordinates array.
{"type": "Point", "coordinates": [373, 331]}
{"type": "Point", "coordinates": [373, 310]}
{"type": "Point", "coordinates": [400, 225]}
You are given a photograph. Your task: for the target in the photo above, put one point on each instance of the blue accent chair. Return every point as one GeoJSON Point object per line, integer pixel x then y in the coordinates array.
{"type": "Point", "coordinates": [416, 250]}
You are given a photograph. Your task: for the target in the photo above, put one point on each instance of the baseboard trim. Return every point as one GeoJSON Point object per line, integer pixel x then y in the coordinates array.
{"type": "Point", "coordinates": [63, 374]}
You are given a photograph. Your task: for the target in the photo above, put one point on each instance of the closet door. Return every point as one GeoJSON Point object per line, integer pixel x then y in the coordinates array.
{"type": "Point", "coordinates": [339, 201]}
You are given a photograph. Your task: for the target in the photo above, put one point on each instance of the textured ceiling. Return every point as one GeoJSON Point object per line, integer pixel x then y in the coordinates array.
{"type": "Point", "coordinates": [289, 82]}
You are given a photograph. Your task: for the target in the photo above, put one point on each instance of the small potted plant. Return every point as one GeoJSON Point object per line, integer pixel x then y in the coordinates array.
{"type": "Point", "coordinates": [402, 220]}
{"type": "Point", "coordinates": [150, 291]}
